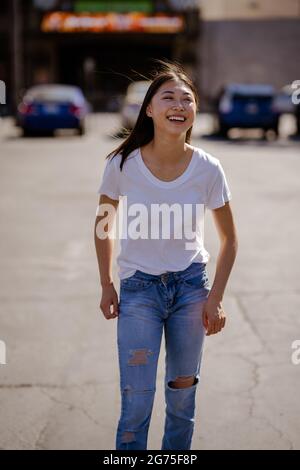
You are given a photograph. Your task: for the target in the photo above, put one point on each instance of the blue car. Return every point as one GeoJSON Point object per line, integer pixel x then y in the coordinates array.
{"type": "Point", "coordinates": [45, 108]}
{"type": "Point", "coordinates": [247, 107]}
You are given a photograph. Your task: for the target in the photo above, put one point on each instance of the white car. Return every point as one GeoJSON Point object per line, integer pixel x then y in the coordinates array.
{"type": "Point", "coordinates": [133, 101]}
{"type": "Point", "coordinates": [283, 100]}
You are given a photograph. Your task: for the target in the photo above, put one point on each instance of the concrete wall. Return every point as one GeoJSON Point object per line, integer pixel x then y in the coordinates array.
{"type": "Point", "coordinates": [247, 9]}
{"type": "Point", "coordinates": [263, 51]}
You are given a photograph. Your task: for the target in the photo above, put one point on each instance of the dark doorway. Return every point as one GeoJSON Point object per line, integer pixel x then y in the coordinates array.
{"type": "Point", "coordinates": [103, 68]}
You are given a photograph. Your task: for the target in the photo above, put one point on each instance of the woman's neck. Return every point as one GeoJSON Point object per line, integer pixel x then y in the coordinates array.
{"type": "Point", "coordinates": [166, 151]}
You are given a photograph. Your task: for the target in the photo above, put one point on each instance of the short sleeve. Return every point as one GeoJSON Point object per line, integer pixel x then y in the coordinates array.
{"type": "Point", "coordinates": [219, 191]}
{"type": "Point", "coordinates": [110, 184]}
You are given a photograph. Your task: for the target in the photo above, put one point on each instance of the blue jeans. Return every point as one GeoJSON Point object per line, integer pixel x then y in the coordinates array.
{"type": "Point", "coordinates": [147, 304]}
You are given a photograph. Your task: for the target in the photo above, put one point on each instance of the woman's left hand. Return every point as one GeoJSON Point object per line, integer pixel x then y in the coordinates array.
{"type": "Point", "coordinates": [213, 316]}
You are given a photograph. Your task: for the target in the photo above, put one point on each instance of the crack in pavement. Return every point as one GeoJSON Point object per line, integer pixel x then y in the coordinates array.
{"type": "Point", "coordinates": [70, 407]}
{"type": "Point", "coordinates": [49, 385]}
{"type": "Point", "coordinates": [251, 392]}
{"type": "Point", "coordinates": [46, 386]}
{"type": "Point", "coordinates": [19, 437]}
{"type": "Point", "coordinates": [252, 326]}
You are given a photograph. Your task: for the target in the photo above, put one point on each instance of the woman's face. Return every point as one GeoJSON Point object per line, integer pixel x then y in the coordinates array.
{"type": "Point", "coordinates": [173, 108]}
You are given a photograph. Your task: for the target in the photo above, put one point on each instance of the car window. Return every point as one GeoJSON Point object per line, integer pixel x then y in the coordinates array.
{"type": "Point", "coordinates": [60, 94]}
{"type": "Point", "coordinates": [252, 97]}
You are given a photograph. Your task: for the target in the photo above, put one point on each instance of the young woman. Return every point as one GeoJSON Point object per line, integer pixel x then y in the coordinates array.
{"type": "Point", "coordinates": [164, 284]}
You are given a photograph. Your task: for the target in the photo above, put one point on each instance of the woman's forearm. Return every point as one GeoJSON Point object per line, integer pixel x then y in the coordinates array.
{"type": "Point", "coordinates": [225, 260]}
{"type": "Point", "coordinates": [104, 249]}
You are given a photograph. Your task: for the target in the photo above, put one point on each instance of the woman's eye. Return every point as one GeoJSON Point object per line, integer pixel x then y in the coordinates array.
{"type": "Point", "coordinates": [170, 98]}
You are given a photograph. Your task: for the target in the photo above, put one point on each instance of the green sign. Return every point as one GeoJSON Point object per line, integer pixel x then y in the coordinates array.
{"type": "Point", "coordinates": [90, 6]}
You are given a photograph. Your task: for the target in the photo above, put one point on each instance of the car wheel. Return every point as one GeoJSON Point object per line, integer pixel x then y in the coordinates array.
{"type": "Point", "coordinates": [275, 132]}
{"type": "Point", "coordinates": [276, 129]}
{"type": "Point", "coordinates": [223, 130]}
{"type": "Point", "coordinates": [27, 132]}
{"type": "Point", "coordinates": [265, 134]}
{"type": "Point", "coordinates": [81, 130]}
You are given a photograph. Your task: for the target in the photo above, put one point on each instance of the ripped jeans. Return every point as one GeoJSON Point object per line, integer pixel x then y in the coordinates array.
{"type": "Point", "coordinates": [147, 304]}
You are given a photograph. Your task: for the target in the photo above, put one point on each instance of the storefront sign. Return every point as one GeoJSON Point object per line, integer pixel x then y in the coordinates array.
{"type": "Point", "coordinates": [62, 22]}
{"type": "Point", "coordinates": [124, 6]}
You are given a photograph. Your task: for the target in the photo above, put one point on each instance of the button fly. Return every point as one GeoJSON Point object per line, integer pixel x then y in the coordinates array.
{"type": "Point", "coordinates": [164, 277]}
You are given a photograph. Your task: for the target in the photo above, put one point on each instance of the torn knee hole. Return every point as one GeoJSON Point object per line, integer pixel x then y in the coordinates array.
{"type": "Point", "coordinates": [128, 436]}
{"type": "Point", "coordinates": [183, 382]}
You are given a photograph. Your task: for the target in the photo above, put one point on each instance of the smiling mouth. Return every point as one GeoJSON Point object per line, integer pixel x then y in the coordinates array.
{"type": "Point", "coordinates": [177, 119]}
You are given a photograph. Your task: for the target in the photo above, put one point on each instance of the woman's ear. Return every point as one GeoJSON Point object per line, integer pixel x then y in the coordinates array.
{"type": "Point", "coordinates": [148, 111]}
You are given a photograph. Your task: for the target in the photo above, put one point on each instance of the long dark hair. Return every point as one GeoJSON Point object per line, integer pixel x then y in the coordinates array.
{"type": "Point", "coordinates": [143, 131]}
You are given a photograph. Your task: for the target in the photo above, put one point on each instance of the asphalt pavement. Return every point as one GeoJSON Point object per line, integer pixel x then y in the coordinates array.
{"type": "Point", "coordinates": [59, 388]}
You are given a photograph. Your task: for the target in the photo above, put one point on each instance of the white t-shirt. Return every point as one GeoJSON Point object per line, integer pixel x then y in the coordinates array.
{"type": "Point", "coordinates": [172, 236]}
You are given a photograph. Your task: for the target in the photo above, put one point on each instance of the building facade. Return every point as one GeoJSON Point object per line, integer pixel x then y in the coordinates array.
{"type": "Point", "coordinates": [102, 45]}
{"type": "Point", "coordinates": [247, 41]}
{"type": "Point", "coordinates": [98, 45]}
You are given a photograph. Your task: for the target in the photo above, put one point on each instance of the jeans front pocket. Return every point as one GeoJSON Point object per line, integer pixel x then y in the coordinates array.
{"type": "Point", "coordinates": [135, 284]}
{"type": "Point", "coordinates": [198, 281]}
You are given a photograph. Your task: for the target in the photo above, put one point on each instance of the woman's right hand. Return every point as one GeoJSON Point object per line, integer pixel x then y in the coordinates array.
{"type": "Point", "coordinates": [109, 297]}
